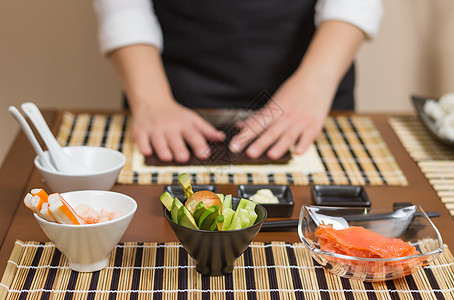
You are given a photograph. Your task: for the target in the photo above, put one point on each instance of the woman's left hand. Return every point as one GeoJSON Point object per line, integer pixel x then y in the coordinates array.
{"type": "Point", "coordinates": [292, 117]}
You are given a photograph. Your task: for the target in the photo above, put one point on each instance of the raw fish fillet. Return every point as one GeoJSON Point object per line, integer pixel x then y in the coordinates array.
{"type": "Point", "coordinates": [361, 242]}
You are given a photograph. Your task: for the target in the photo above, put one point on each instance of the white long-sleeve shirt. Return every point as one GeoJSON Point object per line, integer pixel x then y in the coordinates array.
{"type": "Point", "coordinates": [128, 22]}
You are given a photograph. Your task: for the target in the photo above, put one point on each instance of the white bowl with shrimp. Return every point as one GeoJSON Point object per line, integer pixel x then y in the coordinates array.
{"type": "Point", "coordinates": [88, 246]}
{"type": "Point", "coordinates": [105, 163]}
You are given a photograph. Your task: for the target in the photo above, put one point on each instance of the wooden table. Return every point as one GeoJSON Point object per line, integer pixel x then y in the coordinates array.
{"type": "Point", "coordinates": [18, 176]}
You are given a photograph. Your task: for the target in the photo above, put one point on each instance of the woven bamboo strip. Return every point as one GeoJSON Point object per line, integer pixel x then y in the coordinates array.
{"type": "Point", "coordinates": [380, 150]}
{"type": "Point", "coordinates": [128, 150]}
{"type": "Point", "coordinates": [360, 152]}
{"type": "Point", "coordinates": [114, 134]}
{"type": "Point", "coordinates": [97, 133]}
{"type": "Point", "coordinates": [280, 179]}
{"type": "Point", "coordinates": [261, 274]}
{"type": "Point", "coordinates": [97, 130]}
{"type": "Point", "coordinates": [65, 128]}
{"type": "Point", "coordinates": [259, 178]}
{"type": "Point", "coordinates": [284, 277]}
{"type": "Point", "coordinates": [343, 154]}
{"type": "Point", "coordinates": [10, 270]}
{"type": "Point", "coordinates": [80, 130]}
{"type": "Point", "coordinates": [332, 164]}
{"type": "Point", "coordinates": [442, 268]}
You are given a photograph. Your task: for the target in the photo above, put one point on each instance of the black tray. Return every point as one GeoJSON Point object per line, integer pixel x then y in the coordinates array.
{"type": "Point", "coordinates": [340, 195]}
{"type": "Point", "coordinates": [429, 123]}
{"type": "Point", "coordinates": [283, 209]}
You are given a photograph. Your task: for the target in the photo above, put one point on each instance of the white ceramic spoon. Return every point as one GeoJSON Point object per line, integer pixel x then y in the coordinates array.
{"type": "Point", "coordinates": [31, 137]}
{"type": "Point", "coordinates": [62, 162]}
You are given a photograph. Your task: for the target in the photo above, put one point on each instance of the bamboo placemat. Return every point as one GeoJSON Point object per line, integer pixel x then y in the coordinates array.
{"type": "Point", "coordinates": [351, 148]}
{"type": "Point", "coordinates": [165, 271]}
{"type": "Point", "coordinates": [435, 159]}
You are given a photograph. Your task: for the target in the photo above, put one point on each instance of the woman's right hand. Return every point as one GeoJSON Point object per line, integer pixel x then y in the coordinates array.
{"type": "Point", "coordinates": [168, 130]}
{"type": "Point", "coordinates": [160, 124]}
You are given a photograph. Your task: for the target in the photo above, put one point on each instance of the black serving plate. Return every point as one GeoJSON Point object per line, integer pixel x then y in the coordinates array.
{"type": "Point", "coordinates": [177, 191]}
{"type": "Point", "coordinates": [429, 123]}
{"type": "Point", "coordinates": [283, 209]}
{"type": "Point", "coordinates": [340, 195]}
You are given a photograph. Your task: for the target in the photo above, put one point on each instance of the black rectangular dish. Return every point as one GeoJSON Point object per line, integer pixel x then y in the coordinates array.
{"type": "Point", "coordinates": [177, 191]}
{"type": "Point", "coordinates": [340, 195]}
{"type": "Point", "coordinates": [429, 123]}
{"type": "Point", "coordinates": [283, 209]}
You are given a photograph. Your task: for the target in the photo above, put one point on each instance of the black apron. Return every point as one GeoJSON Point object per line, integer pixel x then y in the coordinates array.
{"type": "Point", "coordinates": [229, 53]}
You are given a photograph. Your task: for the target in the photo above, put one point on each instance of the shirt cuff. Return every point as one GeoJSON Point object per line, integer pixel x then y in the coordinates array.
{"type": "Point", "coordinates": [364, 14]}
{"type": "Point", "coordinates": [123, 23]}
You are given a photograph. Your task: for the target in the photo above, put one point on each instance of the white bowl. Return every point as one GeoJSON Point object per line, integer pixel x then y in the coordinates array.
{"type": "Point", "coordinates": [87, 247]}
{"type": "Point", "coordinates": [106, 164]}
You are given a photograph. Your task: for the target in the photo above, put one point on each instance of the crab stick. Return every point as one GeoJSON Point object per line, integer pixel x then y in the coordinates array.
{"type": "Point", "coordinates": [42, 204]}
{"type": "Point", "coordinates": [28, 202]}
{"type": "Point", "coordinates": [62, 211]}
{"type": "Point", "coordinates": [39, 205]}
{"type": "Point", "coordinates": [42, 196]}
{"type": "Point", "coordinates": [45, 212]}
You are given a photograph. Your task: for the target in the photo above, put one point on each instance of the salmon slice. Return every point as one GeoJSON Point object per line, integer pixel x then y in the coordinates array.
{"type": "Point", "coordinates": [358, 241]}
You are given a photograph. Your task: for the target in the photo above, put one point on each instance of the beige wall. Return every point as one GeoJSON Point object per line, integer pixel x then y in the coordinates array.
{"type": "Point", "coordinates": [49, 55]}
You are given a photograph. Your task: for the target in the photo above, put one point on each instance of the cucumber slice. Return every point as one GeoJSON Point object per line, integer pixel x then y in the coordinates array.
{"type": "Point", "coordinates": [227, 202]}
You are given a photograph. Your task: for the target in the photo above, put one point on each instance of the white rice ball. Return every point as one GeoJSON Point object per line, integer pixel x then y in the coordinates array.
{"type": "Point", "coordinates": [447, 103]}
{"type": "Point", "coordinates": [434, 110]}
{"type": "Point", "coordinates": [447, 127]}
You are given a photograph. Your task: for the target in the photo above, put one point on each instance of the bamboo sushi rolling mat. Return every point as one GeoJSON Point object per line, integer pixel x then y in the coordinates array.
{"type": "Point", "coordinates": [351, 149]}
{"type": "Point", "coordinates": [165, 271]}
{"type": "Point", "coordinates": [435, 159]}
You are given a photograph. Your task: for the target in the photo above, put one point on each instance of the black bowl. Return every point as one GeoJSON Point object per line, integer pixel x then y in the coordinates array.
{"type": "Point", "coordinates": [215, 252]}
{"type": "Point", "coordinates": [177, 191]}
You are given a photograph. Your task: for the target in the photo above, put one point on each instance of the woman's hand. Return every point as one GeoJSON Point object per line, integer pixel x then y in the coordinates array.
{"type": "Point", "coordinates": [169, 130]}
{"type": "Point", "coordinates": [160, 124]}
{"type": "Point", "coordinates": [305, 98]}
{"type": "Point", "coordinates": [293, 116]}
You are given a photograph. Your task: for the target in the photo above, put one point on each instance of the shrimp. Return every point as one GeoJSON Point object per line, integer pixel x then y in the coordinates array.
{"type": "Point", "coordinates": [62, 211]}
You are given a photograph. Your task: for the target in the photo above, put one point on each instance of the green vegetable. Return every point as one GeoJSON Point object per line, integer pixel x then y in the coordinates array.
{"type": "Point", "coordinates": [208, 217]}
{"type": "Point", "coordinates": [220, 222]}
{"type": "Point", "coordinates": [228, 214]}
{"type": "Point", "coordinates": [227, 202]}
{"type": "Point", "coordinates": [176, 204]}
{"type": "Point", "coordinates": [198, 210]}
{"type": "Point", "coordinates": [167, 200]}
{"type": "Point", "coordinates": [197, 216]}
{"type": "Point", "coordinates": [185, 183]}
{"type": "Point", "coordinates": [185, 218]}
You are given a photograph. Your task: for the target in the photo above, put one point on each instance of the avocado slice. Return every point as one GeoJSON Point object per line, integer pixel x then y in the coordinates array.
{"type": "Point", "coordinates": [176, 204]}
{"type": "Point", "coordinates": [185, 218]}
{"type": "Point", "coordinates": [167, 200]}
{"type": "Point", "coordinates": [220, 222]}
{"type": "Point", "coordinates": [208, 217]}
{"type": "Point", "coordinates": [185, 183]}
{"type": "Point", "coordinates": [198, 210]}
